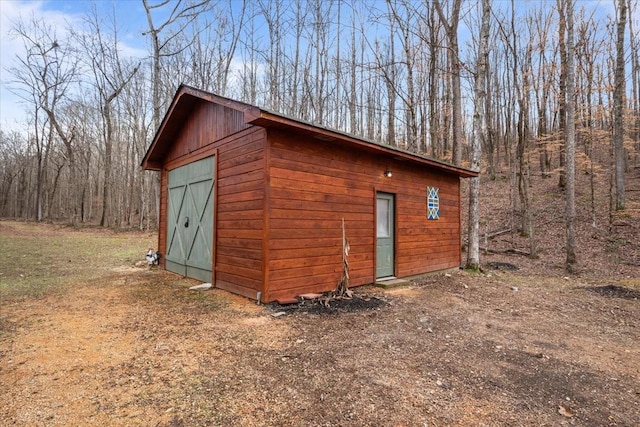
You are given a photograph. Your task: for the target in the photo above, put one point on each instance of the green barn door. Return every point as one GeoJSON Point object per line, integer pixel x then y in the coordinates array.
{"type": "Point", "coordinates": [190, 220]}
{"type": "Point", "coordinates": [385, 259]}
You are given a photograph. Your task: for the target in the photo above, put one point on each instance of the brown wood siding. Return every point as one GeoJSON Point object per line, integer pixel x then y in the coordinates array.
{"type": "Point", "coordinates": [207, 123]}
{"type": "Point", "coordinates": [314, 184]}
{"type": "Point", "coordinates": [239, 201]}
{"type": "Point", "coordinates": [424, 245]}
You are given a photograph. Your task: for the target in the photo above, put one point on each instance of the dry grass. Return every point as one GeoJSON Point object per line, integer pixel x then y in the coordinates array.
{"type": "Point", "coordinates": [40, 259]}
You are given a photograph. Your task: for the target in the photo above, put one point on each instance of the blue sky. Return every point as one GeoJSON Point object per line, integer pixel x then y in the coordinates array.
{"type": "Point", "coordinates": [131, 20]}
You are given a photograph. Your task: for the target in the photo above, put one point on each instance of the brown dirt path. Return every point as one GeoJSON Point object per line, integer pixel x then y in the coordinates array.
{"type": "Point", "coordinates": [139, 349]}
{"type": "Point", "coordinates": [125, 346]}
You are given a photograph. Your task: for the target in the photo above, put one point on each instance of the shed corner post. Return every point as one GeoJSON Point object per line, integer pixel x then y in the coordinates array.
{"type": "Point", "coordinates": [162, 215]}
{"type": "Point", "coordinates": [460, 221]}
{"type": "Point", "coordinates": [263, 294]}
{"type": "Point", "coordinates": [214, 231]}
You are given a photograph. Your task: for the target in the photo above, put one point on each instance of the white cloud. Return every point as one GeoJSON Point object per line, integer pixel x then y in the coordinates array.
{"type": "Point", "coordinates": [12, 109]}
{"type": "Point", "coordinates": [59, 16]}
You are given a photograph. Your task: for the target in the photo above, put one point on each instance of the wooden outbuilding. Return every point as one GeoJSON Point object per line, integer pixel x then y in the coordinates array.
{"type": "Point", "coordinates": [253, 202]}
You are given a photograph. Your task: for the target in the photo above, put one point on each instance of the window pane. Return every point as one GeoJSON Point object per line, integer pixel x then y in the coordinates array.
{"type": "Point", "coordinates": [383, 218]}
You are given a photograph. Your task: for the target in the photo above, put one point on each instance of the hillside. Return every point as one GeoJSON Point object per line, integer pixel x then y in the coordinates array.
{"type": "Point", "coordinates": [602, 253]}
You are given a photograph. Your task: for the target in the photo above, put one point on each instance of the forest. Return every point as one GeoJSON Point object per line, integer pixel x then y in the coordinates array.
{"type": "Point", "coordinates": [514, 89]}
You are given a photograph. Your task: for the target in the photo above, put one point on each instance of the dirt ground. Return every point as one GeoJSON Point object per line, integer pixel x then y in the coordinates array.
{"type": "Point", "coordinates": [121, 345]}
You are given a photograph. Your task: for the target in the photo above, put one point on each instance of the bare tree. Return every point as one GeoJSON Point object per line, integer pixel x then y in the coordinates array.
{"type": "Point", "coordinates": [182, 13]}
{"type": "Point", "coordinates": [587, 54]}
{"type": "Point", "coordinates": [320, 43]}
{"type": "Point", "coordinates": [570, 144]}
{"type": "Point", "coordinates": [227, 53]}
{"type": "Point", "coordinates": [523, 132]}
{"type": "Point", "coordinates": [377, 71]}
{"type": "Point", "coordinates": [387, 70]}
{"type": "Point", "coordinates": [618, 109]}
{"type": "Point", "coordinates": [301, 19]}
{"type": "Point", "coordinates": [14, 158]}
{"type": "Point", "coordinates": [451, 30]}
{"type": "Point", "coordinates": [479, 132]}
{"type": "Point", "coordinates": [43, 76]}
{"type": "Point", "coordinates": [273, 13]}
{"type": "Point", "coordinates": [353, 81]}
{"type": "Point", "coordinates": [110, 75]}
{"type": "Point", "coordinates": [249, 54]}
{"type": "Point", "coordinates": [387, 66]}
{"type": "Point", "coordinates": [634, 42]}
{"type": "Point", "coordinates": [562, 84]}
{"type": "Point", "coordinates": [434, 41]}
{"type": "Point", "coordinates": [405, 22]}
{"type": "Point", "coordinates": [543, 88]}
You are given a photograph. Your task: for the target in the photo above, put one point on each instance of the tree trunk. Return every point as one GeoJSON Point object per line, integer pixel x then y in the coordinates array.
{"type": "Point", "coordinates": [635, 79]}
{"type": "Point", "coordinates": [562, 114]}
{"type": "Point", "coordinates": [455, 66]}
{"type": "Point", "coordinates": [456, 102]}
{"type": "Point", "coordinates": [618, 107]}
{"type": "Point", "coordinates": [390, 74]}
{"type": "Point", "coordinates": [40, 171]}
{"type": "Point", "coordinates": [479, 133]}
{"type": "Point", "coordinates": [105, 220]}
{"type": "Point", "coordinates": [434, 113]}
{"type": "Point", "coordinates": [570, 142]}
{"type": "Point", "coordinates": [353, 128]}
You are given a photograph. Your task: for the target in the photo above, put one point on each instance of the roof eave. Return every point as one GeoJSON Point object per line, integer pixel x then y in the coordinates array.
{"type": "Point", "coordinates": [148, 163]}
{"type": "Point", "coordinates": [268, 119]}
{"type": "Point", "coordinates": [186, 95]}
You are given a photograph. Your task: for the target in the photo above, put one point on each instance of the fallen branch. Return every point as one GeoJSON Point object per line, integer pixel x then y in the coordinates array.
{"type": "Point", "coordinates": [506, 251]}
{"type": "Point", "coordinates": [497, 233]}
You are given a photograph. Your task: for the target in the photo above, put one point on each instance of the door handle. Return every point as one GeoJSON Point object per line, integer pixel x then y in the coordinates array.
{"type": "Point", "coordinates": [186, 222]}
